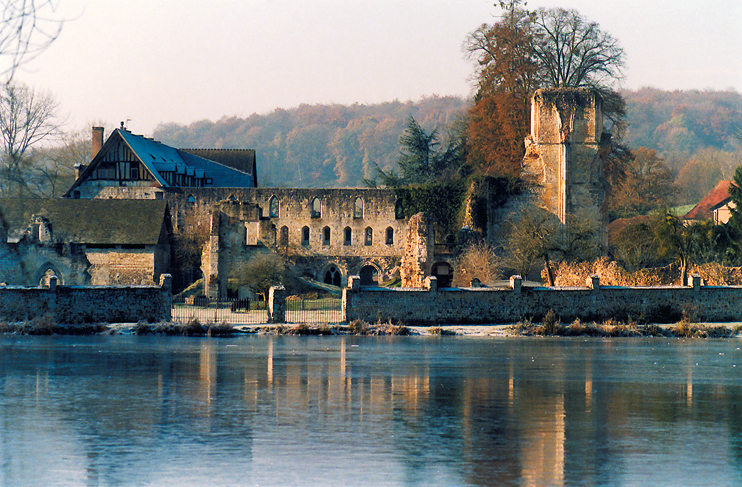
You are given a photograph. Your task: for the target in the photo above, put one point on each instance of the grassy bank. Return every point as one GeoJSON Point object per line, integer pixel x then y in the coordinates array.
{"type": "Point", "coordinates": [551, 326]}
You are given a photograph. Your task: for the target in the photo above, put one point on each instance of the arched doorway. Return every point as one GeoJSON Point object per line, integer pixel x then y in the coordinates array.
{"type": "Point", "coordinates": [44, 274]}
{"type": "Point", "coordinates": [369, 275]}
{"type": "Point", "coordinates": [444, 273]}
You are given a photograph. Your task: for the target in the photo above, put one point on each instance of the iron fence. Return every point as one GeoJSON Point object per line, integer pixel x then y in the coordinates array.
{"type": "Point", "coordinates": [321, 310]}
{"type": "Point", "coordinates": [206, 310]}
{"type": "Point", "coordinates": [243, 312]}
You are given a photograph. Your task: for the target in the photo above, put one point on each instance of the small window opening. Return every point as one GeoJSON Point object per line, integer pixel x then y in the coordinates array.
{"type": "Point", "coordinates": [369, 236]}
{"type": "Point", "coordinates": [273, 207]}
{"type": "Point", "coordinates": [326, 236]}
{"type": "Point", "coordinates": [348, 234]}
{"type": "Point", "coordinates": [316, 208]}
{"type": "Point", "coordinates": [305, 236]}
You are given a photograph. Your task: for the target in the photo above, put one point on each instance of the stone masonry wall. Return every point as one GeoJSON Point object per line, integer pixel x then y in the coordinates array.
{"type": "Point", "coordinates": [114, 267]}
{"type": "Point", "coordinates": [417, 258]}
{"type": "Point", "coordinates": [563, 153]}
{"type": "Point", "coordinates": [88, 304]}
{"type": "Point", "coordinates": [503, 305]}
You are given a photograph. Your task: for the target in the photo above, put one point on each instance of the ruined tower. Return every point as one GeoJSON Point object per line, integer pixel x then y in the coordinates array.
{"type": "Point", "coordinates": [563, 153]}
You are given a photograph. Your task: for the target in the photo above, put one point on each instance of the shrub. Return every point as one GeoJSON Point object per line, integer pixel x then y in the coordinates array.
{"type": "Point", "coordinates": [550, 323]}
{"type": "Point", "coordinates": [358, 327]}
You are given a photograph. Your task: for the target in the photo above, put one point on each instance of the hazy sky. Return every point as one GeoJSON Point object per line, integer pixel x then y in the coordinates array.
{"type": "Point", "coordinates": [153, 61]}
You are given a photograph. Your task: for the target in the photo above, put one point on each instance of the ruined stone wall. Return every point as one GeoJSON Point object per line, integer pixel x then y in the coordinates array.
{"type": "Point", "coordinates": [24, 264]}
{"type": "Point", "coordinates": [295, 212]}
{"type": "Point", "coordinates": [322, 232]}
{"type": "Point", "coordinates": [563, 153]}
{"type": "Point", "coordinates": [86, 304]}
{"type": "Point", "coordinates": [502, 305]}
{"type": "Point", "coordinates": [134, 190]}
{"type": "Point", "coordinates": [417, 258]}
{"type": "Point", "coordinates": [121, 266]}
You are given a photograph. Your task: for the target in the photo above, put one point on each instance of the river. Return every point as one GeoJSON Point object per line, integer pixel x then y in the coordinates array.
{"type": "Point", "coordinates": [397, 411]}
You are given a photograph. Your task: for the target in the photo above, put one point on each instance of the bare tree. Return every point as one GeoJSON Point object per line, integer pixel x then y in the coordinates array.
{"type": "Point", "coordinates": [538, 236]}
{"type": "Point", "coordinates": [27, 28]}
{"type": "Point", "coordinates": [51, 170]}
{"type": "Point", "coordinates": [26, 119]}
{"type": "Point", "coordinates": [574, 52]}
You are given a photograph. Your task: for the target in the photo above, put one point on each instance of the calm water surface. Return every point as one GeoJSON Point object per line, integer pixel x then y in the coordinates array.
{"type": "Point", "coordinates": [263, 410]}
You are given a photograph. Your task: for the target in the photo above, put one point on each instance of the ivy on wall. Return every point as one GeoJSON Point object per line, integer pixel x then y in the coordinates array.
{"type": "Point", "coordinates": [444, 202]}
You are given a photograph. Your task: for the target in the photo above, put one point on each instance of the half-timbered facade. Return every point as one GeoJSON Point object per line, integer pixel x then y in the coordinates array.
{"type": "Point", "coordinates": [133, 161]}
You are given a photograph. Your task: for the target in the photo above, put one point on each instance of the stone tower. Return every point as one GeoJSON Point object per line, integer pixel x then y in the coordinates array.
{"type": "Point", "coordinates": [563, 153]}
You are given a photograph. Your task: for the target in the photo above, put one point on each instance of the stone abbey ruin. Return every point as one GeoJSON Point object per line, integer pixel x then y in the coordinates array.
{"type": "Point", "coordinates": [327, 235]}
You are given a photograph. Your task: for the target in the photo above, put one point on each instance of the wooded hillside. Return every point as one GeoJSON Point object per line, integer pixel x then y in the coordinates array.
{"type": "Point", "coordinates": [697, 132]}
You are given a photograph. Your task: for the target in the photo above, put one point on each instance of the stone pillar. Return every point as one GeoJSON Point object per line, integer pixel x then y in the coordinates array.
{"type": "Point", "coordinates": [593, 282]}
{"type": "Point", "coordinates": [53, 280]}
{"type": "Point", "coordinates": [354, 283]}
{"type": "Point", "coordinates": [210, 258]}
{"type": "Point", "coordinates": [166, 295]}
{"type": "Point", "coordinates": [277, 304]}
{"type": "Point", "coordinates": [516, 282]}
{"type": "Point", "coordinates": [695, 281]}
{"type": "Point", "coordinates": [346, 310]}
{"type": "Point", "coordinates": [418, 251]}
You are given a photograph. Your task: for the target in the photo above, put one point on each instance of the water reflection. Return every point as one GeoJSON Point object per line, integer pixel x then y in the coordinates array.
{"type": "Point", "coordinates": [392, 411]}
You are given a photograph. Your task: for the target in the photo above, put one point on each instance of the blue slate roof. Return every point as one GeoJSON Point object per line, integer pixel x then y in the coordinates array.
{"type": "Point", "coordinates": [158, 157]}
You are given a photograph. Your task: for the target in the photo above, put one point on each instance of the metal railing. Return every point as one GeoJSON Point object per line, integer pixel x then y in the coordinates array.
{"type": "Point", "coordinates": [321, 310]}
{"type": "Point", "coordinates": [244, 312]}
{"type": "Point", "coordinates": [206, 310]}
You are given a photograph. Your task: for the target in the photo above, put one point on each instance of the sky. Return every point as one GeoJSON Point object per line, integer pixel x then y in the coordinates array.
{"type": "Point", "coordinates": [148, 62]}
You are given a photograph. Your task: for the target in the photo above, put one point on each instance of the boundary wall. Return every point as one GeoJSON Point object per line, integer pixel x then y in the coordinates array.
{"type": "Point", "coordinates": [88, 304]}
{"type": "Point", "coordinates": [430, 306]}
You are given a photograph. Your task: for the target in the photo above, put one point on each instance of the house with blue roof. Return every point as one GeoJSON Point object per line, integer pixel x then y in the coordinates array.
{"type": "Point", "coordinates": [150, 167]}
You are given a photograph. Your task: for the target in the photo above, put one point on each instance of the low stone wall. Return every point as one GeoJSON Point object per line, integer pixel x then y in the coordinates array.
{"type": "Point", "coordinates": [88, 304]}
{"type": "Point", "coordinates": [430, 305]}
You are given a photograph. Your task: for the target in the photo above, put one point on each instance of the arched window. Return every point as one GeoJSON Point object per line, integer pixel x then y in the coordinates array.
{"type": "Point", "coordinates": [191, 199]}
{"type": "Point", "coordinates": [305, 236]}
{"type": "Point", "coordinates": [273, 207]}
{"type": "Point", "coordinates": [326, 236]}
{"type": "Point", "coordinates": [283, 239]}
{"type": "Point", "coordinates": [347, 236]}
{"type": "Point", "coordinates": [399, 210]}
{"type": "Point", "coordinates": [333, 276]}
{"type": "Point", "coordinates": [232, 198]}
{"type": "Point", "coordinates": [358, 208]}
{"type": "Point", "coordinates": [316, 208]}
{"type": "Point", "coordinates": [369, 236]}
{"type": "Point", "coordinates": [389, 236]}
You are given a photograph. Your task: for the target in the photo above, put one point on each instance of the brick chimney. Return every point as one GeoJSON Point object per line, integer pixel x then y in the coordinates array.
{"type": "Point", "coordinates": [97, 140]}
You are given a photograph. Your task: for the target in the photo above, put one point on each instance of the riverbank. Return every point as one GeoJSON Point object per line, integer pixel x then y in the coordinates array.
{"type": "Point", "coordinates": [682, 329]}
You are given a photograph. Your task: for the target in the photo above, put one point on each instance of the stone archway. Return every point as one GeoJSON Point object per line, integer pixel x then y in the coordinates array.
{"type": "Point", "coordinates": [44, 274]}
{"type": "Point", "coordinates": [369, 275]}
